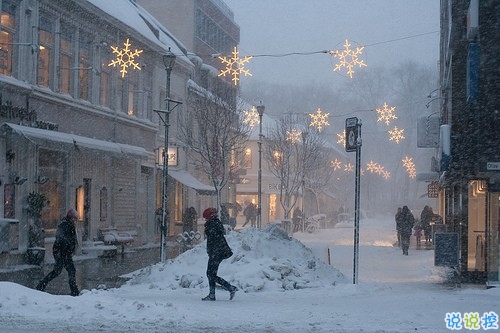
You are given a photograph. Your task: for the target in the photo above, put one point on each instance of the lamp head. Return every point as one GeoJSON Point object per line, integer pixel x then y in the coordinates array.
{"type": "Point", "coordinates": [260, 109]}
{"type": "Point", "coordinates": [169, 60]}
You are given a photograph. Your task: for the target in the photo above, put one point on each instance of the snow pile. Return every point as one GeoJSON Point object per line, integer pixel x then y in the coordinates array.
{"type": "Point", "coordinates": [263, 260]}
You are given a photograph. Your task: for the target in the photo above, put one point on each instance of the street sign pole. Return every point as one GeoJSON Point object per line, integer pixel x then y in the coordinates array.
{"type": "Point", "coordinates": [353, 143]}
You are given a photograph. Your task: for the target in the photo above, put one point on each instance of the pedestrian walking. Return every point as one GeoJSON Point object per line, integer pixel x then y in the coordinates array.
{"type": "Point", "coordinates": [63, 249]}
{"type": "Point", "coordinates": [250, 213]}
{"type": "Point", "coordinates": [398, 217]}
{"type": "Point", "coordinates": [407, 222]}
{"type": "Point", "coordinates": [189, 218]}
{"type": "Point", "coordinates": [217, 250]}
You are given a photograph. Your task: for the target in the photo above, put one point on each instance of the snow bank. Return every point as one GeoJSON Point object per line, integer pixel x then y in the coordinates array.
{"type": "Point", "coordinates": [264, 259]}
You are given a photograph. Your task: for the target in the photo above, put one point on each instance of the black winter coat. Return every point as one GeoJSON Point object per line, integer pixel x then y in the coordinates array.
{"type": "Point", "coordinates": [66, 241]}
{"type": "Point", "coordinates": [216, 241]}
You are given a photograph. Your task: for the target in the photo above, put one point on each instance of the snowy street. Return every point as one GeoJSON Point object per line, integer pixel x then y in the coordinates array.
{"type": "Point", "coordinates": [283, 285]}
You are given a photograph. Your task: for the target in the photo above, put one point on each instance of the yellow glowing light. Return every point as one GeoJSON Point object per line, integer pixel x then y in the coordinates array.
{"type": "Point", "coordinates": [125, 58]}
{"type": "Point", "coordinates": [293, 135]}
{"type": "Point", "coordinates": [235, 66]}
{"type": "Point", "coordinates": [396, 134]}
{"type": "Point", "coordinates": [386, 113]}
{"type": "Point", "coordinates": [386, 174]}
{"type": "Point", "coordinates": [348, 167]}
{"type": "Point", "coordinates": [319, 119]}
{"type": "Point", "coordinates": [251, 117]}
{"type": "Point", "coordinates": [371, 166]}
{"type": "Point", "coordinates": [410, 166]}
{"type": "Point", "coordinates": [335, 164]}
{"type": "Point", "coordinates": [348, 58]}
{"type": "Point", "coordinates": [341, 138]}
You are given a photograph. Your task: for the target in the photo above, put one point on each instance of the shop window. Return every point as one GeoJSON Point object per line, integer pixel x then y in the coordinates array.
{"type": "Point", "coordinates": [46, 42]}
{"type": "Point", "coordinates": [7, 33]}
{"type": "Point", "coordinates": [84, 70]}
{"type": "Point", "coordinates": [66, 61]}
{"type": "Point", "coordinates": [247, 158]}
{"type": "Point", "coordinates": [105, 78]}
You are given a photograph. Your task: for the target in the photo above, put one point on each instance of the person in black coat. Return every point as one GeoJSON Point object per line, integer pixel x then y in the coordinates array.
{"type": "Point", "coordinates": [406, 227]}
{"type": "Point", "coordinates": [63, 250]}
{"type": "Point", "coordinates": [217, 250]}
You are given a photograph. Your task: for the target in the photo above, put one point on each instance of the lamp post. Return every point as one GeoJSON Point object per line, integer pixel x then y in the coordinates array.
{"type": "Point", "coordinates": [260, 110]}
{"type": "Point", "coordinates": [164, 115]}
{"type": "Point", "coordinates": [304, 138]}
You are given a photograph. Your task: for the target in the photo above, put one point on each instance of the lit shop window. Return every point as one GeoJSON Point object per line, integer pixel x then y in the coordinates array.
{"type": "Point", "coordinates": [7, 32]}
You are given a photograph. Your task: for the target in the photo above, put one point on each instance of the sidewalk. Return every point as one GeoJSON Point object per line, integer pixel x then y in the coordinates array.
{"type": "Point", "coordinates": [91, 272]}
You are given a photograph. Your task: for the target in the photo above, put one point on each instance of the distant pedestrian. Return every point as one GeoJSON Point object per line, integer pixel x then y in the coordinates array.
{"type": "Point", "coordinates": [417, 232]}
{"type": "Point", "coordinates": [425, 218]}
{"type": "Point", "coordinates": [217, 250]}
{"type": "Point", "coordinates": [63, 250]}
{"type": "Point", "coordinates": [297, 219]}
{"type": "Point", "coordinates": [407, 221]}
{"type": "Point", "coordinates": [250, 213]}
{"type": "Point", "coordinates": [189, 218]}
{"type": "Point", "coordinates": [397, 217]}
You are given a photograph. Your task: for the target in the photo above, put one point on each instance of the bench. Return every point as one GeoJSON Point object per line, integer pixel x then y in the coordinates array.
{"type": "Point", "coordinates": [111, 236]}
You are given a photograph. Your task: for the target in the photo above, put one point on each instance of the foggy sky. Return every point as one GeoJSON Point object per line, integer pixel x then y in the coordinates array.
{"type": "Point", "coordinates": [385, 27]}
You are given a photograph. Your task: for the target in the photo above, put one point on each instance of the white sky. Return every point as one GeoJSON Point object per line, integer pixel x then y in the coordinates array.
{"type": "Point", "coordinates": [395, 293]}
{"type": "Point", "coordinates": [286, 26]}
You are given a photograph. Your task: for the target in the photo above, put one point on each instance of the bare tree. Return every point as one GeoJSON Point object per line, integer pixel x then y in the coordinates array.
{"type": "Point", "coordinates": [289, 157]}
{"type": "Point", "coordinates": [214, 134]}
{"type": "Point", "coordinates": [318, 179]}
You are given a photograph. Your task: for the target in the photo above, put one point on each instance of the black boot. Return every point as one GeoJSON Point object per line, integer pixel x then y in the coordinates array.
{"type": "Point", "coordinates": [232, 291]}
{"type": "Point", "coordinates": [209, 297]}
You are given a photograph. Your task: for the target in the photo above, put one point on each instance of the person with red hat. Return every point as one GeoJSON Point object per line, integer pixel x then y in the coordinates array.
{"type": "Point", "coordinates": [217, 250]}
{"type": "Point", "coordinates": [63, 250]}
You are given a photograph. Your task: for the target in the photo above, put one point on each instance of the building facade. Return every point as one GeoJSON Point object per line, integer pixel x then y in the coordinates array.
{"type": "Point", "coordinates": [470, 133]}
{"type": "Point", "coordinates": [79, 83]}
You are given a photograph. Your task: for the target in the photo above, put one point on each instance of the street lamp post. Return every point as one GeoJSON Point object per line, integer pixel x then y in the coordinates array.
{"type": "Point", "coordinates": [164, 115]}
{"type": "Point", "coordinates": [260, 110]}
{"type": "Point", "coordinates": [304, 138]}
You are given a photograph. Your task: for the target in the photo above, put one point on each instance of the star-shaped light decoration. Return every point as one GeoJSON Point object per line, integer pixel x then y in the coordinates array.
{"type": "Point", "coordinates": [348, 167]}
{"type": "Point", "coordinates": [396, 134]}
{"type": "Point", "coordinates": [235, 66]}
{"type": "Point", "coordinates": [341, 138]}
{"type": "Point", "coordinates": [371, 166]}
{"type": "Point", "coordinates": [348, 58]}
{"type": "Point", "coordinates": [125, 58]}
{"type": "Point", "coordinates": [410, 166]}
{"type": "Point", "coordinates": [386, 174]}
{"type": "Point", "coordinates": [335, 164]}
{"type": "Point", "coordinates": [386, 113]}
{"type": "Point", "coordinates": [319, 119]}
{"type": "Point", "coordinates": [293, 136]}
{"type": "Point", "coordinates": [251, 117]}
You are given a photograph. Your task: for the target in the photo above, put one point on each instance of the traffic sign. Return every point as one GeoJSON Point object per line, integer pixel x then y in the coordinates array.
{"type": "Point", "coordinates": [351, 134]}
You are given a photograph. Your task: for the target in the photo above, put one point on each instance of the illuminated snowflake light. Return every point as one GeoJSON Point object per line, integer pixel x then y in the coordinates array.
{"type": "Point", "coordinates": [335, 164]}
{"type": "Point", "coordinates": [125, 58]}
{"type": "Point", "coordinates": [341, 138]}
{"type": "Point", "coordinates": [235, 66]}
{"type": "Point", "coordinates": [410, 166]}
{"type": "Point", "coordinates": [319, 119]}
{"type": "Point", "coordinates": [396, 134]}
{"type": "Point", "coordinates": [293, 135]}
{"type": "Point", "coordinates": [371, 166]}
{"type": "Point", "coordinates": [348, 167]}
{"type": "Point", "coordinates": [348, 58]}
{"type": "Point", "coordinates": [251, 117]}
{"type": "Point", "coordinates": [386, 113]}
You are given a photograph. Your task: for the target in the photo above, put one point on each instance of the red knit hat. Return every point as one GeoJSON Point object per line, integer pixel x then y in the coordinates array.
{"type": "Point", "coordinates": [209, 212]}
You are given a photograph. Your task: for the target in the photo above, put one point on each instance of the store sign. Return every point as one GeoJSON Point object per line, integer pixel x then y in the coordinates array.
{"type": "Point", "coordinates": [495, 166]}
{"type": "Point", "coordinates": [172, 156]}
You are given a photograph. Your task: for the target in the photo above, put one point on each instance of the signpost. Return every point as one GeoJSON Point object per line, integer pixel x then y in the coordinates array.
{"type": "Point", "coordinates": [353, 143]}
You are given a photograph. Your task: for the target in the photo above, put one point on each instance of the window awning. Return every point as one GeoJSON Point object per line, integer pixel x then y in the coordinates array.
{"type": "Point", "coordinates": [190, 181]}
{"type": "Point", "coordinates": [41, 136]}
